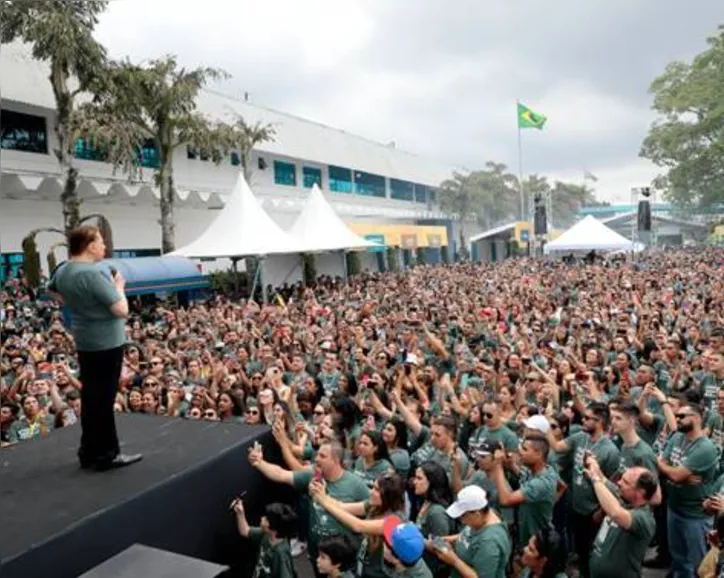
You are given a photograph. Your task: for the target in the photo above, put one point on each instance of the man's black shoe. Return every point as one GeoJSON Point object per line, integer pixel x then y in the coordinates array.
{"type": "Point", "coordinates": [657, 562]}
{"type": "Point", "coordinates": [120, 461]}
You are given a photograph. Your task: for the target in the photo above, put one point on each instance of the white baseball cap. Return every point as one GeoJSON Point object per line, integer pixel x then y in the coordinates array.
{"type": "Point", "coordinates": [470, 499]}
{"type": "Point", "coordinates": [538, 422]}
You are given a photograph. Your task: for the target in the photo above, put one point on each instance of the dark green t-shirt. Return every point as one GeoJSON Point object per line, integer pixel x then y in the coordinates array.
{"type": "Point", "coordinates": [89, 292]}
{"type": "Point", "coordinates": [486, 550]}
{"type": "Point", "coordinates": [619, 553]}
{"type": "Point", "coordinates": [639, 454]}
{"type": "Point", "coordinates": [369, 475]}
{"type": "Point", "coordinates": [583, 497]}
{"type": "Point", "coordinates": [434, 521]}
{"type": "Point", "coordinates": [536, 512]}
{"type": "Point", "coordinates": [350, 488]}
{"type": "Point", "coordinates": [275, 561]}
{"type": "Point", "coordinates": [701, 457]}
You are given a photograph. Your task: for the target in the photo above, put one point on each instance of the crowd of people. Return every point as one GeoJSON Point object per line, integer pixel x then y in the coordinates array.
{"type": "Point", "coordinates": [524, 418]}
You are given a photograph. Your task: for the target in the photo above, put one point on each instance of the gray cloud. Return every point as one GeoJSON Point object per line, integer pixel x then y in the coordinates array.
{"type": "Point", "coordinates": [439, 77]}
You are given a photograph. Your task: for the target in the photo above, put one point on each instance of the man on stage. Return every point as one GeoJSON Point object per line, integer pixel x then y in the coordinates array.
{"type": "Point", "coordinates": [98, 309]}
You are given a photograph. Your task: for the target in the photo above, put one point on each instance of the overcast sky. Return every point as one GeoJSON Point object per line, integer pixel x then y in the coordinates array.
{"type": "Point", "coordinates": [441, 77]}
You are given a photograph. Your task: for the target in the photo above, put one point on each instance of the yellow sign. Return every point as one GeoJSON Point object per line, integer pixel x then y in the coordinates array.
{"type": "Point", "coordinates": [405, 236]}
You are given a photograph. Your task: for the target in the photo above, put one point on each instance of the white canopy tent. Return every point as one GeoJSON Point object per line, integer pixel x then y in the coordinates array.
{"type": "Point", "coordinates": [587, 235]}
{"type": "Point", "coordinates": [241, 229]}
{"type": "Point", "coordinates": [319, 229]}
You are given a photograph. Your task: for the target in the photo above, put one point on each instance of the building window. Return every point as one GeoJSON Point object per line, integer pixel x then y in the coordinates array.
{"type": "Point", "coordinates": [86, 150]}
{"type": "Point", "coordinates": [23, 132]}
{"type": "Point", "coordinates": [420, 193]}
{"type": "Point", "coordinates": [402, 190]}
{"type": "Point", "coordinates": [192, 153]}
{"type": "Point", "coordinates": [285, 174]}
{"type": "Point", "coordinates": [235, 158]}
{"type": "Point", "coordinates": [369, 185]}
{"type": "Point", "coordinates": [10, 265]}
{"type": "Point", "coordinates": [148, 155]}
{"type": "Point", "coordinates": [431, 195]}
{"type": "Point", "coordinates": [312, 176]}
{"type": "Point", "coordinates": [340, 179]}
{"type": "Point", "coordinates": [135, 253]}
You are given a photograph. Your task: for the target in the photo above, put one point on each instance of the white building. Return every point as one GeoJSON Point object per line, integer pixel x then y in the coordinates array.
{"type": "Point", "coordinates": [367, 182]}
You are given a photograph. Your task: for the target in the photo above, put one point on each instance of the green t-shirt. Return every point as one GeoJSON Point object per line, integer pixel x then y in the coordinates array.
{"type": "Point", "coordinates": [401, 462]}
{"type": "Point", "coordinates": [701, 457]}
{"type": "Point", "coordinates": [486, 550]}
{"type": "Point", "coordinates": [434, 521]}
{"type": "Point", "coordinates": [369, 475]}
{"type": "Point", "coordinates": [350, 488]}
{"type": "Point", "coordinates": [619, 553]}
{"type": "Point", "coordinates": [583, 497]}
{"type": "Point", "coordinates": [639, 454]}
{"type": "Point", "coordinates": [536, 512]}
{"type": "Point", "coordinates": [89, 292]}
{"type": "Point", "coordinates": [429, 453]}
{"type": "Point", "coordinates": [275, 561]}
{"type": "Point", "coordinates": [503, 435]}
{"type": "Point", "coordinates": [715, 422]}
{"type": "Point", "coordinates": [482, 480]}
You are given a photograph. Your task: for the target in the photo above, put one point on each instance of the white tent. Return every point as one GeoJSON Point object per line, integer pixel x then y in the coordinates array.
{"type": "Point", "coordinates": [587, 235]}
{"type": "Point", "coordinates": [241, 229]}
{"type": "Point", "coordinates": [318, 228]}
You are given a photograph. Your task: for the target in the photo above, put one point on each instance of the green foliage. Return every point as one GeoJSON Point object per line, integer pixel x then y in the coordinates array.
{"type": "Point", "coordinates": [31, 261]}
{"type": "Point", "coordinates": [61, 34]}
{"type": "Point", "coordinates": [309, 270]}
{"type": "Point", "coordinates": [155, 101]}
{"type": "Point", "coordinates": [420, 256]}
{"type": "Point", "coordinates": [353, 263]}
{"type": "Point", "coordinates": [243, 137]}
{"type": "Point", "coordinates": [393, 263]}
{"type": "Point", "coordinates": [688, 137]}
{"type": "Point", "coordinates": [226, 282]}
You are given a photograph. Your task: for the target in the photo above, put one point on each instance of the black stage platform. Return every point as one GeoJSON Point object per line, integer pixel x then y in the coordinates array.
{"type": "Point", "coordinates": [58, 520]}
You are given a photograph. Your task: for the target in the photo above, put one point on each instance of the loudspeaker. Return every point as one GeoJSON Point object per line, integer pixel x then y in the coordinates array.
{"type": "Point", "coordinates": [644, 216]}
{"type": "Point", "coordinates": [540, 221]}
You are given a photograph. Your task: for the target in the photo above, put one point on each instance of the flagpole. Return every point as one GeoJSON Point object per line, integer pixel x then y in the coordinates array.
{"type": "Point", "coordinates": [520, 162]}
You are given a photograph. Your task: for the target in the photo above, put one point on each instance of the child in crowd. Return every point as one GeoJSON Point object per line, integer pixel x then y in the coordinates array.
{"type": "Point", "coordinates": [278, 525]}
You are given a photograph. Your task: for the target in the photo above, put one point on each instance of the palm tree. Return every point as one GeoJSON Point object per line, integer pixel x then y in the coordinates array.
{"type": "Point", "coordinates": [155, 102]}
{"type": "Point", "coordinates": [460, 198]}
{"type": "Point", "coordinates": [244, 137]}
{"type": "Point", "coordinates": [61, 34]}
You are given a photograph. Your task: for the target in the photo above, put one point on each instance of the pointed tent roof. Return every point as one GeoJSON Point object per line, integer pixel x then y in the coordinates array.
{"type": "Point", "coordinates": [318, 228]}
{"type": "Point", "coordinates": [589, 234]}
{"type": "Point", "coordinates": [241, 229]}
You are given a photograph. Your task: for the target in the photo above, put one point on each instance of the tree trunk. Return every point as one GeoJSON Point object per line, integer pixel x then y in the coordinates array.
{"type": "Point", "coordinates": [245, 154]}
{"type": "Point", "coordinates": [463, 247]}
{"type": "Point", "coordinates": [64, 104]}
{"type": "Point", "coordinates": [165, 184]}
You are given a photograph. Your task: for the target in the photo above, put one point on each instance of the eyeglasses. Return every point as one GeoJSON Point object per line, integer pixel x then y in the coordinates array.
{"type": "Point", "coordinates": [256, 376]}
{"type": "Point", "coordinates": [209, 414]}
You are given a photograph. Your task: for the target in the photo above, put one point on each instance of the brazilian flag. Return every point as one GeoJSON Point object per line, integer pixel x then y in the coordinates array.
{"type": "Point", "coordinates": [529, 119]}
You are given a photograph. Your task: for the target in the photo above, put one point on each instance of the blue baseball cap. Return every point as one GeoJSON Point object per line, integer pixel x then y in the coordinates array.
{"type": "Point", "coordinates": [404, 539]}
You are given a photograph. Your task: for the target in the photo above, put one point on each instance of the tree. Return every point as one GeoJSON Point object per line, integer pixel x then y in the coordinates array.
{"type": "Point", "coordinates": [688, 137]}
{"type": "Point", "coordinates": [567, 199]}
{"type": "Point", "coordinates": [61, 34]}
{"type": "Point", "coordinates": [460, 198]}
{"type": "Point", "coordinates": [155, 102]}
{"type": "Point", "coordinates": [244, 137]}
{"type": "Point", "coordinates": [499, 194]}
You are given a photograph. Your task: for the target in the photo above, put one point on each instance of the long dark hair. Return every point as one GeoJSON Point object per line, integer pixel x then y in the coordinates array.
{"type": "Point", "coordinates": [550, 545]}
{"type": "Point", "coordinates": [381, 452]}
{"type": "Point", "coordinates": [400, 432]}
{"type": "Point", "coordinates": [439, 491]}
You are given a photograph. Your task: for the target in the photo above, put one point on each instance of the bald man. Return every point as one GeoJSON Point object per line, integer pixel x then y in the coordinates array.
{"type": "Point", "coordinates": [620, 545]}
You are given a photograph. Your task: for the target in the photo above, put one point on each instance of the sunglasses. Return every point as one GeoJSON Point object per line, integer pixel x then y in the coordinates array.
{"type": "Point", "coordinates": [256, 376]}
{"type": "Point", "coordinates": [157, 363]}
{"type": "Point", "coordinates": [489, 415]}
{"type": "Point", "coordinates": [683, 415]}
{"type": "Point", "coordinates": [253, 411]}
